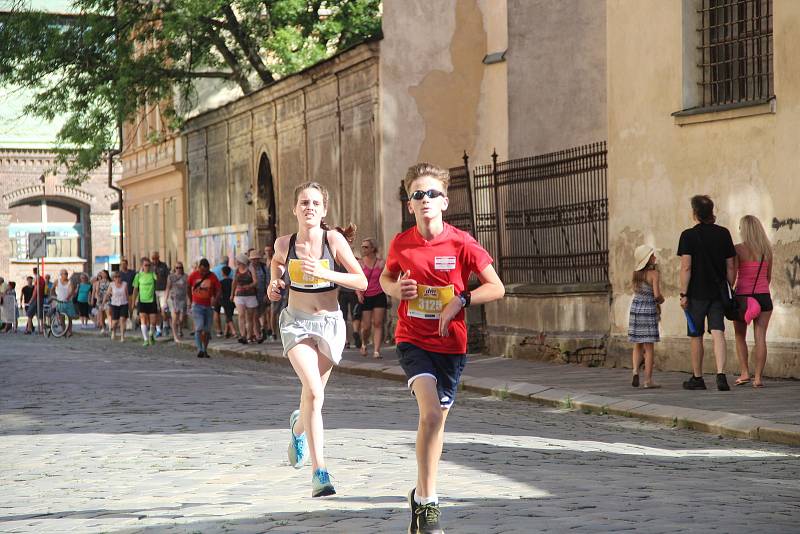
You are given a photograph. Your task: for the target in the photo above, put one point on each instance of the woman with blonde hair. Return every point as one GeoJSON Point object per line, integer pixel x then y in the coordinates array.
{"type": "Point", "coordinates": [753, 276]}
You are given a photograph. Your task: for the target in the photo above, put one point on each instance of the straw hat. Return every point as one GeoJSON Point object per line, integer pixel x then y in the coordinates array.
{"type": "Point", "coordinates": [242, 258]}
{"type": "Point", "coordinates": [255, 255]}
{"type": "Point", "coordinates": [642, 255]}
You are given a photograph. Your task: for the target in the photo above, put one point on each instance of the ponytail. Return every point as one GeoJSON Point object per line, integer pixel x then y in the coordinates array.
{"type": "Point", "coordinates": [349, 232]}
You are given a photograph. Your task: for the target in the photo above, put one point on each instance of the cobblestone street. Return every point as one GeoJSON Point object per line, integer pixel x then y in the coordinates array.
{"type": "Point", "coordinates": [102, 437]}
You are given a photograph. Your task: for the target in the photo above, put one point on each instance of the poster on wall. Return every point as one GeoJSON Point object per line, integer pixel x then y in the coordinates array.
{"type": "Point", "coordinates": [213, 243]}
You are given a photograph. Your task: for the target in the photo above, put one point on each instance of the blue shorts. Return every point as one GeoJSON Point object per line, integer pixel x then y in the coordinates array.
{"type": "Point", "coordinates": [446, 369]}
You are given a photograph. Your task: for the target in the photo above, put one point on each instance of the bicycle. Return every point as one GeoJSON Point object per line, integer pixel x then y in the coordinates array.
{"type": "Point", "coordinates": [60, 322]}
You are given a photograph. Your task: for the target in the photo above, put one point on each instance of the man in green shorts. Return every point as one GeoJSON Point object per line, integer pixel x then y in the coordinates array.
{"type": "Point", "coordinates": [144, 299]}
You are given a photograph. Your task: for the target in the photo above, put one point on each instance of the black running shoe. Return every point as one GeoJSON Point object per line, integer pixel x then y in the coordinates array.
{"type": "Point", "coordinates": [356, 339]}
{"type": "Point", "coordinates": [200, 354]}
{"type": "Point", "coordinates": [412, 528]}
{"type": "Point", "coordinates": [722, 382]}
{"type": "Point", "coordinates": [428, 519]}
{"type": "Point", "coordinates": [695, 382]}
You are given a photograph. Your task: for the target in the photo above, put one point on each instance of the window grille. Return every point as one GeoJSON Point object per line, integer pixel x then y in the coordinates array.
{"type": "Point", "coordinates": [736, 51]}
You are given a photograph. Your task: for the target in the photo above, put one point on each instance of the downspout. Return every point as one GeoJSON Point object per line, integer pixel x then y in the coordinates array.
{"type": "Point", "coordinates": [111, 153]}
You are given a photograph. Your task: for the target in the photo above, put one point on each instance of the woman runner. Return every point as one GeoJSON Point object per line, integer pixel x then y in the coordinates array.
{"type": "Point", "coordinates": [312, 327]}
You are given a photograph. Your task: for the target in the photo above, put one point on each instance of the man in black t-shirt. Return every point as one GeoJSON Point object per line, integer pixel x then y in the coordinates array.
{"type": "Point", "coordinates": [707, 255]}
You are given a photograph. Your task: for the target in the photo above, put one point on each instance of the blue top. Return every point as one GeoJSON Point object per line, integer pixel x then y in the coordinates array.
{"type": "Point", "coordinates": [83, 292]}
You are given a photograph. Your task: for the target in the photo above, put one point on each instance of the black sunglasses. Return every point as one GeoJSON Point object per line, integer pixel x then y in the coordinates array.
{"type": "Point", "coordinates": [432, 193]}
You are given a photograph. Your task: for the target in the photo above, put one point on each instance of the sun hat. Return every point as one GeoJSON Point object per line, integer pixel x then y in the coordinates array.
{"type": "Point", "coordinates": [641, 256]}
{"type": "Point", "coordinates": [242, 258]}
{"type": "Point", "coordinates": [255, 255]}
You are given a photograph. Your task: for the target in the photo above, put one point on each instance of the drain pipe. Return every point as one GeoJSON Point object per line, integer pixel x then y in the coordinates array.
{"type": "Point", "coordinates": [111, 153]}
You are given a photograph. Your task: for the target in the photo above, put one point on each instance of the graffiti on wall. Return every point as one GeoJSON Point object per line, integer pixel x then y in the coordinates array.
{"type": "Point", "coordinates": [777, 224]}
{"type": "Point", "coordinates": [792, 272]}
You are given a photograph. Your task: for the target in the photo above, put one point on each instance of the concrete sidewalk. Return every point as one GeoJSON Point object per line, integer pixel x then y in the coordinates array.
{"type": "Point", "coordinates": [769, 414]}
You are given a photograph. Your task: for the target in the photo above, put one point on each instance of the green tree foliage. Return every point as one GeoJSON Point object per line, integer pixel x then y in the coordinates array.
{"type": "Point", "coordinates": [99, 65]}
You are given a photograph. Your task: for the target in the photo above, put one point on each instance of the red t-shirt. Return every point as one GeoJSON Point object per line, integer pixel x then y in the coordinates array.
{"type": "Point", "coordinates": [445, 261]}
{"type": "Point", "coordinates": [207, 289]}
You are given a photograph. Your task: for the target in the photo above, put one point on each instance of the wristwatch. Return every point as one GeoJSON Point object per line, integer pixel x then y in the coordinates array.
{"type": "Point", "coordinates": [465, 297]}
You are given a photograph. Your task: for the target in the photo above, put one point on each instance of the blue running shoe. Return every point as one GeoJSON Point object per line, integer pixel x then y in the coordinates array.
{"type": "Point", "coordinates": [298, 445]}
{"type": "Point", "coordinates": [321, 485]}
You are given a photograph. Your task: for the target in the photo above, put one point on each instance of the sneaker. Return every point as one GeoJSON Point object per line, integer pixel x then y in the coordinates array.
{"type": "Point", "coordinates": [695, 382]}
{"type": "Point", "coordinates": [427, 519]}
{"type": "Point", "coordinates": [722, 382]}
{"type": "Point", "coordinates": [298, 445]}
{"type": "Point", "coordinates": [158, 333]}
{"type": "Point", "coordinates": [146, 343]}
{"type": "Point", "coordinates": [321, 485]}
{"type": "Point", "coordinates": [412, 504]}
{"type": "Point", "coordinates": [356, 339]}
{"type": "Point", "coordinates": [200, 354]}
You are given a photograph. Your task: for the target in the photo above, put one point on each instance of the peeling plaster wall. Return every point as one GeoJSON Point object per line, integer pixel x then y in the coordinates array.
{"type": "Point", "coordinates": [748, 165]}
{"type": "Point", "coordinates": [433, 88]}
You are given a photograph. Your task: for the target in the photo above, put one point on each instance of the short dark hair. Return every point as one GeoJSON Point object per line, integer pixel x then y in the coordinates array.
{"type": "Point", "coordinates": [35, 270]}
{"type": "Point", "coordinates": [226, 270]}
{"type": "Point", "coordinates": [703, 208]}
{"type": "Point", "coordinates": [204, 263]}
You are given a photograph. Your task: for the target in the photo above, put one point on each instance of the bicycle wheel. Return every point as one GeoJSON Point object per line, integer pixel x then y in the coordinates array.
{"type": "Point", "coordinates": [58, 324]}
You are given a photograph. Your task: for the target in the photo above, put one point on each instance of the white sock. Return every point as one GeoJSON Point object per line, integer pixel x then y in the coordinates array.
{"type": "Point", "coordinates": [144, 331]}
{"type": "Point", "coordinates": [426, 500]}
{"type": "Point", "coordinates": [158, 329]}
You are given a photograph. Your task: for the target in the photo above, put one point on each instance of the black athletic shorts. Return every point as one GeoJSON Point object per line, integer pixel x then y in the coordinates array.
{"type": "Point", "coordinates": [446, 369]}
{"type": "Point", "coordinates": [83, 309]}
{"type": "Point", "coordinates": [375, 301]}
{"type": "Point", "coordinates": [119, 311]}
{"type": "Point", "coordinates": [348, 303]}
{"type": "Point", "coordinates": [700, 310]}
{"type": "Point", "coordinates": [150, 308]}
{"type": "Point", "coordinates": [764, 300]}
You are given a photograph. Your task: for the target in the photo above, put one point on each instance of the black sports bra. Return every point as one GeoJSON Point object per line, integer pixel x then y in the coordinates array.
{"type": "Point", "coordinates": [296, 280]}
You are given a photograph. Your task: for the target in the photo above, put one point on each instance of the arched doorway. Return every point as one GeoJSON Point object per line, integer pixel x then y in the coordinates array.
{"type": "Point", "coordinates": [266, 219]}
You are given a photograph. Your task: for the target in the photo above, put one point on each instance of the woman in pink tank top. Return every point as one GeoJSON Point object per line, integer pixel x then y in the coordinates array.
{"type": "Point", "coordinates": [373, 300]}
{"type": "Point", "coordinates": [754, 273]}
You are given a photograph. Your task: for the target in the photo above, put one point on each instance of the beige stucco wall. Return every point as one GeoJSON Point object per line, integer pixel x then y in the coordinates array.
{"type": "Point", "coordinates": [748, 165]}
{"type": "Point", "coordinates": [153, 175]}
{"type": "Point", "coordinates": [437, 97]}
{"type": "Point", "coordinates": [556, 75]}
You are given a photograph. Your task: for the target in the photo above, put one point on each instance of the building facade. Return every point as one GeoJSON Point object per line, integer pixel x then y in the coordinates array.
{"type": "Point", "coordinates": [244, 159]}
{"type": "Point", "coordinates": [153, 179]}
{"type": "Point", "coordinates": [81, 223]}
{"type": "Point", "coordinates": [678, 128]}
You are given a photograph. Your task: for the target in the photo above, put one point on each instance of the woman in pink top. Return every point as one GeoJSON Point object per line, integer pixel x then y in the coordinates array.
{"type": "Point", "coordinates": [373, 299]}
{"type": "Point", "coordinates": [754, 273]}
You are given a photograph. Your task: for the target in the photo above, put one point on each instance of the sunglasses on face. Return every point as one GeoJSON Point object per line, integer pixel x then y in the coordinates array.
{"type": "Point", "coordinates": [432, 193]}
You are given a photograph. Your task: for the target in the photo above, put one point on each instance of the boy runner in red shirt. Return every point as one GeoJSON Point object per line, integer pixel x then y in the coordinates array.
{"type": "Point", "coordinates": [427, 270]}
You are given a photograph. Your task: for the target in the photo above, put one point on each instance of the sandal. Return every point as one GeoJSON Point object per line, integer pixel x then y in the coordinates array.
{"type": "Point", "coordinates": [758, 385]}
{"type": "Point", "coordinates": [377, 356]}
{"type": "Point", "coordinates": [363, 350]}
{"type": "Point", "coordinates": [651, 386]}
{"type": "Point", "coordinates": [741, 381]}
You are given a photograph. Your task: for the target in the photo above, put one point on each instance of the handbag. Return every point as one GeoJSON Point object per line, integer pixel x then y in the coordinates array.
{"type": "Point", "coordinates": [742, 298]}
{"type": "Point", "coordinates": [730, 306]}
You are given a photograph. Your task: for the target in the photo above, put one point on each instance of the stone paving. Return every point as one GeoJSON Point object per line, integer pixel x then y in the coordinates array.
{"type": "Point", "coordinates": [102, 437]}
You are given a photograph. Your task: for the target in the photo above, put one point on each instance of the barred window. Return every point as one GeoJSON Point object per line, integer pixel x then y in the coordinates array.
{"type": "Point", "coordinates": [736, 51]}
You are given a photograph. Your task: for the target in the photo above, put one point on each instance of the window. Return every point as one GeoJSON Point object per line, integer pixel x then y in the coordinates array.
{"type": "Point", "coordinates": [736, 51]}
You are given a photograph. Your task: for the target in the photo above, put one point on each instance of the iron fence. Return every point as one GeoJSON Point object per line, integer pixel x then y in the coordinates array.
{"type": "Point", "coordinates": [543, 218]}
